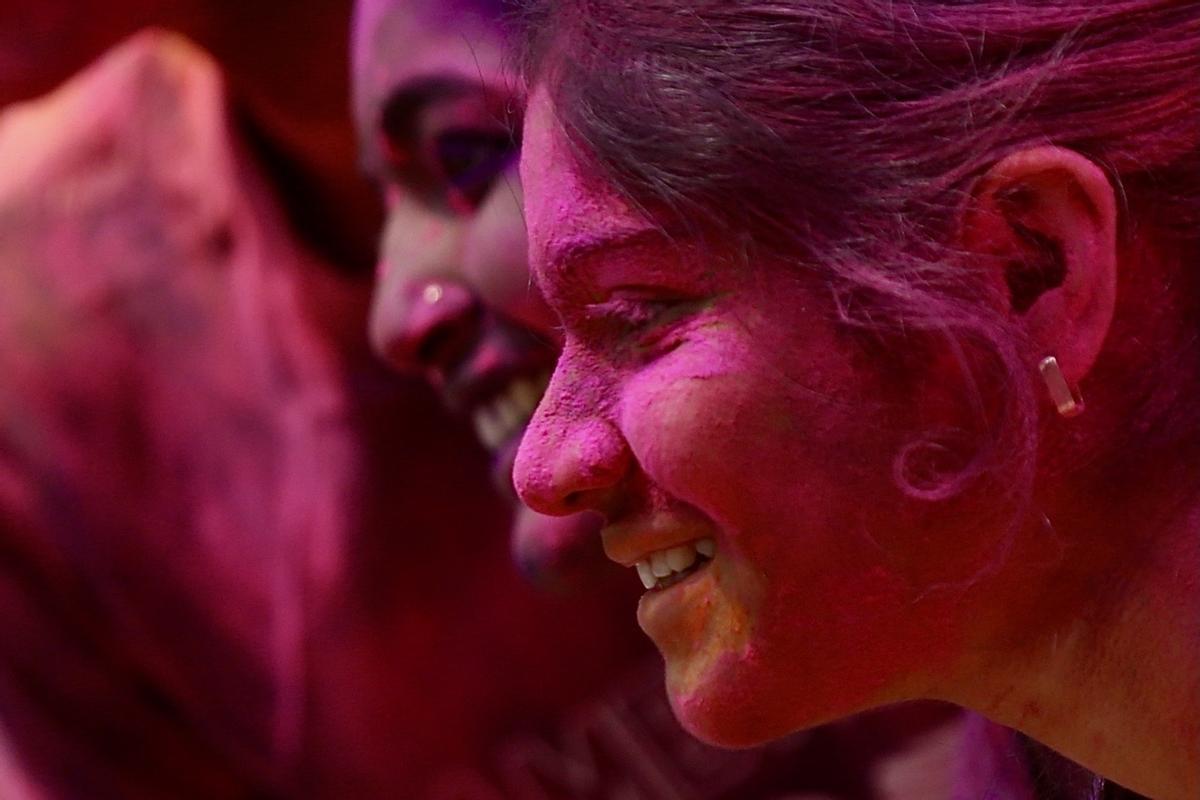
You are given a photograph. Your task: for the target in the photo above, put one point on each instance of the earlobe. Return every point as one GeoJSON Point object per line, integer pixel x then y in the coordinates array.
{"type": "Point", "coordinates": [1046, 219]}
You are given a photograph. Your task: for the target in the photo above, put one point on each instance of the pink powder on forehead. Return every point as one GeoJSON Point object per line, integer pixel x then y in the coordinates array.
{"type": "Point", "coordinates": [566, 210]}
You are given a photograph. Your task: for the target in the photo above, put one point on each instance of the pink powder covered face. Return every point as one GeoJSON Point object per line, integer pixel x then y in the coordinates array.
{"type": "Point", "coordinates": [698, 400]}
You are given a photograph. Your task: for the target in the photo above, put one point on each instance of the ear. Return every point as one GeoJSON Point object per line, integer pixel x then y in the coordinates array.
{"type": "Point", "coordinates": [1047, 218]}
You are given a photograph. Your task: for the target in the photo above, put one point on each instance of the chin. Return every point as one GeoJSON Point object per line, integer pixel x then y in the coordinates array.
{"type": "Point", "coordinates": [731, 706]}
{"type": "Point", "coordinates": [746, 700]}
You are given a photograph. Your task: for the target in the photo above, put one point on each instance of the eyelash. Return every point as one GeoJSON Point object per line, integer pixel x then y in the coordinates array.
{"type": "Point", "coordinates": [649, 320]}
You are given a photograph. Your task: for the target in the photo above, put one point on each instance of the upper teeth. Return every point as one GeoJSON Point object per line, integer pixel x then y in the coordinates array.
{"type": "Point", "coordinates": [507, 414]}
{"type": "Point", "coordinates": [666, 563]}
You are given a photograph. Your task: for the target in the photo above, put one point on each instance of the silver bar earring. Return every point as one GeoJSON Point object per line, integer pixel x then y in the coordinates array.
{"type": "Point", "coordinates": [1068, 401]}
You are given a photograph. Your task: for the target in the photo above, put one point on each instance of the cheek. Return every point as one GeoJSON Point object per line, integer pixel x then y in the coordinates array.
{"type": "Point", "coordinates": [748, 441]}
{"type": "Point", "coordinates": [697, 436]}
{"type": "Point", "coordinates": [416, 245]}
{"type": "Point", "coordinates": [495, 261]}
{"type": "Point", "coordinates": [773, 474]}
{"type": "Point", "coordinates": [494, 253]}
{"type": "Point", "coordinates": [684, 417]}
{"type": "Point", "coordinates": [786, 467]}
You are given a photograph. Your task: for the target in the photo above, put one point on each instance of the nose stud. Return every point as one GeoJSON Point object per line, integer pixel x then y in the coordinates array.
{"type": "Point", "coordinates": [426, 325]}
{"type": "Point", "coordinates": [432, 293]}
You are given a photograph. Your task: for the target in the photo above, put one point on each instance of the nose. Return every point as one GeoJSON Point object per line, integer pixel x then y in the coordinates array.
{"type": "Point", "coordinates": [568, 464]}
{"type": "Point", "coordinates": [426, 326]}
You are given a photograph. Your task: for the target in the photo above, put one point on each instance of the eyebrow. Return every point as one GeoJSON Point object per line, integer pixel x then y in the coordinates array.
{"type": "Point", "coordinates": [572, 258]}
{"type": "Point", "coordinates": [567, 250]}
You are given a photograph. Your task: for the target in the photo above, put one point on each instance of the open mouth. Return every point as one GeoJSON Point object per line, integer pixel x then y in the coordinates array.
{"type": "Point", "coordinates": [504, 415]}
{"type": "Point", "coordinates": [663, 569]}
{"type": "Point", "coordinates": [499, 381]}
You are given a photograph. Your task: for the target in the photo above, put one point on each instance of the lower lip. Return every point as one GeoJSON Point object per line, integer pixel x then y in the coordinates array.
{"type": "Point", "coordinates": [675, 611]}
{"type": "Point", "coordinates": [559, 551]}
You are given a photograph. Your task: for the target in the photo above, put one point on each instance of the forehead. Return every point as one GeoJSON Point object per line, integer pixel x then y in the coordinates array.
{"type": "Point", "coordinates": [567, 210]}
{"type": "Point", "coordinates": [396, 42]}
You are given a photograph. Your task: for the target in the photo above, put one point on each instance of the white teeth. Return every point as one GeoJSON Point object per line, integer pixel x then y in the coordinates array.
{"type": "Point", "coordinates": [488, 428]}
{"type": "Point", "coordinates": [666, 563]}
{"type": "Point", "coordinates": [647, 576]}
{"type": "Point", "coordinates": [509, 415]}
{"type": "Point", "coordinates": [526, 396]}
{"type": "Point", "coordinates": [508, 412]}
{"type": "Point", "coordinates": [680, 558]}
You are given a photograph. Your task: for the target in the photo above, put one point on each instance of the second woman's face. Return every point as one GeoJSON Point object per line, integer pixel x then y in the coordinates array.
{"type": "Point", "coordinates": [741, 448]}
{"type": "Point", "coordinates": [439, 119]}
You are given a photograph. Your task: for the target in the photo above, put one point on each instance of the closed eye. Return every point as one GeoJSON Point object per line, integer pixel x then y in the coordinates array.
{"type": "Point", "coordinates": [639, 306]}
{"type": "Point", "coordinates": [641, 321]}
{"type": "Point", "coordinates": [635, 314]}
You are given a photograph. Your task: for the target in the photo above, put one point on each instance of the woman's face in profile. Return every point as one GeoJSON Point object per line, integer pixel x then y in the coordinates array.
{"type": "Point", "coordinates": [742, 450]}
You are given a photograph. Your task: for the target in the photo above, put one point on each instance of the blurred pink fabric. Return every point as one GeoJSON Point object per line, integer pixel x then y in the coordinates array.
{"type": "Point", "coordinates": [161, 416]}
{"type": "Point", "coordinates": [237, 559]}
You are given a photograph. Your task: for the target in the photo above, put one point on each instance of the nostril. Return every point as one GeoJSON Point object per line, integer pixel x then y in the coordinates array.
{"type": "Point", "coordinates": [567, 465]}
{"type": "Point", "coordinates": [429, 325]}
{"type": "Point", "coordinates": [448, 341]}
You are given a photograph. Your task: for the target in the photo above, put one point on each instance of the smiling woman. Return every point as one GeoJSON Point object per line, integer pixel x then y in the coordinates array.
{"type": "Point", "coordinates": [834, 280]}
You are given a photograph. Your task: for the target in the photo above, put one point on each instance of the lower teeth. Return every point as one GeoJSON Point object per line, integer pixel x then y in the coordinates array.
{"type": "Point", "coordinates": [676, 577]}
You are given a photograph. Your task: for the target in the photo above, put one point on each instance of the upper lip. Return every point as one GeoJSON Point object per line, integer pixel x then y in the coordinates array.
{"type": "Point", "coordinates": [628, 541]}
{"type": "Point", "coordinates": [503, 352]}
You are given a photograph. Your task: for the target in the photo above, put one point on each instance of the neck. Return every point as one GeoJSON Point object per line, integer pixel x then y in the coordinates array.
{"type": "Point", "coordinates": [1113, 683]}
